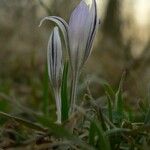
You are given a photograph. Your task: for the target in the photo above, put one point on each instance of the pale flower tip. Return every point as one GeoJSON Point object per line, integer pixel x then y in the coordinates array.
{"type": "Point", "coordinates": [83, 4]}
{"type": "Point", "coordinates": [41, 22]}
{"type": "Point", "coordinates": [56, 29]}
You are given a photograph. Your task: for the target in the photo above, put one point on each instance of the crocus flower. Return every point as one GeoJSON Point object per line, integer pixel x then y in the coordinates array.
{"type": "Point", "coordinates": [54, 59]}
{"type": "Point", "coordinates": [81, 31]}
{"type": "Point", "coordinates": [78, 36]}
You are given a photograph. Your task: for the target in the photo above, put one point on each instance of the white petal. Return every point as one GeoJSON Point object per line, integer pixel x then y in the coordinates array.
{"type": "Point", "coordinates": [77, 31]}
{"type": "Point", "coordinates": [61, 24]}
{"type": "Point", "coordinates": [94, 21]}
{"type": "Point", "coordinates": [54, 57]}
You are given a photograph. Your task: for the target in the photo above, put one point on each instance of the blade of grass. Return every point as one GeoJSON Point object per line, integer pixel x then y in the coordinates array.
{"type": "Point", "coordinates": [109, 91]}
{"type": "Point", "coordinates": [130, 115]}
{"type": "Point", "coordinates": [24, 122]}
{"type": "Point", "coordinates": [119, 107]}
{"type": "Point", "coordinates": [119, 102]}
{"type": "Point", "coordinates": [64, 94]}
{"type": "Point", "coordinates": [52, 128]}
{"type": "Point", "coordinates": [92, 134]}
{"type": "Point", "coordinates": [101, 118]}
{"type": "Point", "coordinates": [99, 112]}
{"type": "Point", "coordinates": [103, 141]}
{"type": "Point", "coordinates": [16, 103]}
{"type": "Point", "coordinates": [101, 115]}
{"type": "Point", "coordinates": [142, 106]}
{"type": "Point", "coordinates": [147, 117]}
{"type": "Point", "coordinates": [61, 132]}
{"type": "Point", "coordinates": [109, 107]}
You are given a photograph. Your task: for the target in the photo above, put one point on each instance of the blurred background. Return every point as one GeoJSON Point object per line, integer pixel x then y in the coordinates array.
{"type": "Point", "coordinates": [122, 44]}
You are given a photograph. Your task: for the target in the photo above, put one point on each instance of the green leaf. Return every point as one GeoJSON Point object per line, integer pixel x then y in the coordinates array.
{"type": "Point", "coordinates": [64, 94]}
{"type": "Point", "coordinates": [109, 91]}
{"type": "Point", "coordinates": [147, 117]}
{"type": "Point", "coordinates": [52, 128]}
{"type": "Point", "coordinates": [92, 133]}
{"type": "Point", "coordinates": [24, 122]}
{"type": "Point", "coordinates": [61, 132]}
{"type": "Point", "coordinates": [109, 107]}
{"type": "Point", "coordinates": [100, 114]}
{"type": "Point", "coordinates": [130, 115]}
{"type": "Point", "coordinates": [118, 113]}
{"type": "Point", "coordinates": [142, 106]}
{"type": "Point", "coordinates": [3, 105]}
{"type": "Point", "coordinates": [97, 136]}
{"type": "Point", "coordinates": [103, 142]}
{"type": "Point", "coordinates": [102, 120]}
{"type": "Point", "coordinates": [119, 107]}
{"type": "Point", "coordinates": [119, 102]}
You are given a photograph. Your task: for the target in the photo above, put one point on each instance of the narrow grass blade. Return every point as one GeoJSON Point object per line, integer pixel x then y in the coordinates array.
{"type": "Point", "coordinates": [147, 117]}
{"type": "Point", "coordinates": [103, 142]}
{"type": "Point", "coordinates": [52, 128]}
{"type": "Point", "coordinates": [101, 117]}
{"type": "Point", "coordinates": [142, 106]}
{"type": "Point", "coordinates": [61, 132]}
{"type": "Point", "coordinates": [119, 107]}
{"type": "Point", "coordinates": [100, 114]}
{"type": "Point", "coordinates": [130, 115]}
{"type": "Point", "coordinates": [118, 113]}
{"type": "Point", "coordinates": [24, 122]}
{"type": "Point", "coordinates": [109, 91]}
{"type": "Point", "coordinates": [92, 132]}
{"type": "Point", "coordinates": [118, 96]}
{"type": "Point", "coordinates": [119, 102]}
{"type": "Point", "coordinates": [109, 107]}
{"type": "Point", "coordinates": [64, 94]}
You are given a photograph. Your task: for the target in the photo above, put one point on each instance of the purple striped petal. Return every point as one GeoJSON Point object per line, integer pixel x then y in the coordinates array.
{"type": "Point", "coordinates": [94, 21]}
{"type": "Point", "coordinates": [54, 57]}
{"type": "Point", "coordinates": [77, 32]}
{"type": "Point", "coordinates": [78, 18]}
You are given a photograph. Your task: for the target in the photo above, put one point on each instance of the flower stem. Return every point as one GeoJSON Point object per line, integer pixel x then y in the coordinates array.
{"type": "Point", "coordinates": [58, 106]}
{"type": "Point", "coordinates": [73, 93]}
